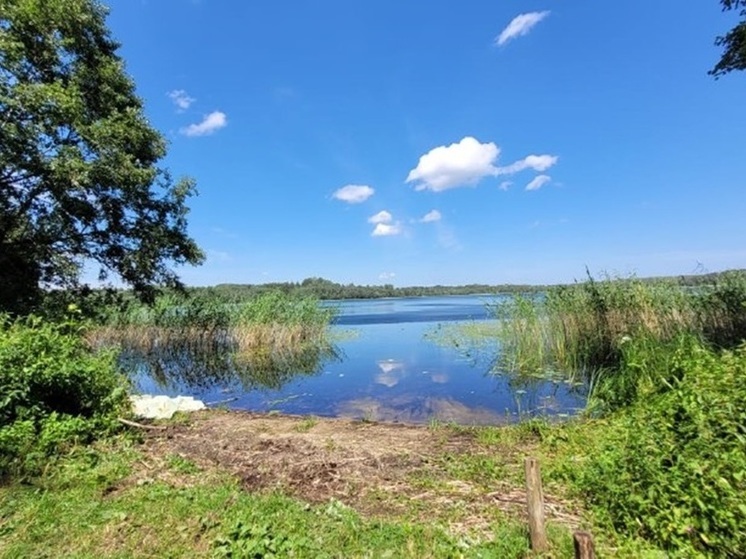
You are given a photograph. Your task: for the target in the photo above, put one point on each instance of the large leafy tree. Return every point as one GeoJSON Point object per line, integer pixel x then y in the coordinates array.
{"type": "Point", "coordinates": [733, 42]}
{"type": "Point", "coordinates": [79, 174]}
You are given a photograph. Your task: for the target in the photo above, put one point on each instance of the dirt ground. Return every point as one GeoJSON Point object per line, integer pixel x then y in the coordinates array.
{"type": "Point", "coordinates": [379, 469]}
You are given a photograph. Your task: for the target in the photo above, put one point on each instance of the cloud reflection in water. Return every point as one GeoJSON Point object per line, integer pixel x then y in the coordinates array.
{"type": "Point", "coordinates": [415, 409]}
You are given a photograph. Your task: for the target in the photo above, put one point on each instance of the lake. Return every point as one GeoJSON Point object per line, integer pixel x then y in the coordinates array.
{"type": "Point", "coordinates": [389, 363]}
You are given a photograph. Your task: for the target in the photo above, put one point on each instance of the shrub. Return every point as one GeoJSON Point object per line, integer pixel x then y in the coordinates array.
{"type": "Point", "coordinates": [54, 391]}
{"type": "Point", "coordinates": [672, 467]}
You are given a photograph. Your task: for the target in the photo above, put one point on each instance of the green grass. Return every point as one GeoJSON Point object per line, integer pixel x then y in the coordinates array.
{"type": "Point", "coordinates": [90, 505]}
{"type": "Point", "coordinates": [113, 500]}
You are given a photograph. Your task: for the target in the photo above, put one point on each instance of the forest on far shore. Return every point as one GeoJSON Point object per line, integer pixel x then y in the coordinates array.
{"type": "Point", "coordinates": [327, 289]}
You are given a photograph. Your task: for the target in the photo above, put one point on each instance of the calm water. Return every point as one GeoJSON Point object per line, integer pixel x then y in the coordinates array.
{"type": "Point", "coordinates": [386, 366]}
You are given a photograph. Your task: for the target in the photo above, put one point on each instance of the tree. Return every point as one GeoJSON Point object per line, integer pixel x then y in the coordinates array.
{"type": "Point", "coordinates": [79, 174]}
{"type": "Point", "coordinates": [734, 42]}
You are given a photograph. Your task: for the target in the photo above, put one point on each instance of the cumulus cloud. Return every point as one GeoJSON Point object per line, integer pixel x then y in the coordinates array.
{"type": "Point", "coordinates": [353, 193]}
{"type": "Point", "coordinates": [384, 225]}
{"type": "Point", "coordinates": [460, 164]}
{"type": "Point", "coordinates": [431, 216]}
{"type": "Point", "coordinates": [467, 162]}
{"type": "Point", "coordinates": [387, 230]}
{"type": "Point", "coordinates": [381, 217]}
{"type": "Point", "coordinates": [504, 185]}
{"type": "Point", "coordinates": [520, 25]}
{"type": "Point", "coordinates": [210, 124]}
{"type": "Point", "coordinates": [386, 275]}
{"type": "Point", "coordinates": [538, 163]}
{"type": "Point", "coordinates": [538, 182]}
{"type": "Point", "coordinates": [181, 99]}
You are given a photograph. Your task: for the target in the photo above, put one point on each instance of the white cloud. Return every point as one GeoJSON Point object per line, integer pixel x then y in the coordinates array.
{"type": "Point", "coordinates": [386, 275]}
{"type": "Point", "coordinates": [538, 182]}
{"type": "Point", "coordinates": [353, 193]}
{"type": "Point", "coordinates": [381, 217]}
{"type": "Point", "coordinates": [520, 25]}
{"type": "Point", "coordinates": [387, 230]}
{"type": "Point", "coordinates": [431, 216]}
{"type": "Point", "coordinates": [538, 163]}
{"type": "Point", "coordinates": [504, 185]}
{"type": "Point", "coordinates": [461, 164]}
{"type": "Point", "coordinates": [211, 123]}
{"type": "Point", "coordinates": [181, 99]}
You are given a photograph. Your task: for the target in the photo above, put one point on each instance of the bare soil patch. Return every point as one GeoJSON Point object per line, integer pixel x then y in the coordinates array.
{"type": "Point", "coordinates": [380, 469]}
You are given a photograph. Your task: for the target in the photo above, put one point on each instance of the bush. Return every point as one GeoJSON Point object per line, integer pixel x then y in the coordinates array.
{"type": "Point", "coordinates": [54, 391]}
{"type": "Point", "coordinates": [672, 467]}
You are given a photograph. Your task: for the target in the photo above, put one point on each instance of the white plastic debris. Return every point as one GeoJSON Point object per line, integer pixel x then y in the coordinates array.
{"type": "Point", "coordinates": [163, 407]}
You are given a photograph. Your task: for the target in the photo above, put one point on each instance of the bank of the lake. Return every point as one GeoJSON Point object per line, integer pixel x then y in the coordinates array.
{"type": "Point", "coordinates": [237, 484]}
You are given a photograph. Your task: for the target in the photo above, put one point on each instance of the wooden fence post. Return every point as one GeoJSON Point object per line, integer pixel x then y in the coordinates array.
{"type": "Point", "coordinates": [535, 501]}
{"type": "Point", "coordinates": [584, 548]}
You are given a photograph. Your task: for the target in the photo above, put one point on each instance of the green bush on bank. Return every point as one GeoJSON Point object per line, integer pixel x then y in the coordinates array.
{"type": "Point", "coordinates": [671, 467]}
{"type": "Point", "coordinates": [54, 391]}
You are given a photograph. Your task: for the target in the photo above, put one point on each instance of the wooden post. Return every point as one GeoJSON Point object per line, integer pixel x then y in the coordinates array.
{"type": "Point", "coordinates": [584, 548]}
{"type": "Point", "coordinates": [535, 501]}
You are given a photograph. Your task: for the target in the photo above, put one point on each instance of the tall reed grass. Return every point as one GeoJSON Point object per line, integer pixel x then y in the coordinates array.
{"type": "Point", "coordinates": [589, 328]}
{"type": "Point", "coordinates": [261, 338]}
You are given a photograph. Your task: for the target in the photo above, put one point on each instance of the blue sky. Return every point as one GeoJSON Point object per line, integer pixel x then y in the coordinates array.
{"type": "Point", "coordinates": [443, 142]}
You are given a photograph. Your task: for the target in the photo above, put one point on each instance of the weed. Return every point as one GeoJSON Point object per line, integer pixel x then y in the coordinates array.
{"type": "Point", "coordinates": [182, 465]}
{"type": "Point", "coordinates": [306, 424]}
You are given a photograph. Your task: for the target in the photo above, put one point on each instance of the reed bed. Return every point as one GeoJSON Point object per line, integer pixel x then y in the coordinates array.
{"type": "Point", "coordinates": [588, 327]}
{"type": "Point", "coordinates": [262, 341]}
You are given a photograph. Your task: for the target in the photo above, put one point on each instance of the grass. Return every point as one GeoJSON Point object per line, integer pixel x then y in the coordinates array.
{"type": "Point", "coordinates": [582, 330]}
{"type": "Point", "coordinates": [89, 504]}
{"type": "Point", "coordinates": [112, 499]}
{"type": "Point", "coordinates": [202, 339]}
{"type": "Point", "coordinates": [307, 424]}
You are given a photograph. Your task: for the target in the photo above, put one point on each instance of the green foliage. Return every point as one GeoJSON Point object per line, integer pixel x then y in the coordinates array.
{"type": "Point", "coordinates": [721, 309]}
{"type": "Point", "coordinates": [79, 175]}
{"type": "Point", "coordinates": [591, 328]}
{"type": "Point", "coordinates": [524, 337]}
{"type": "Point", "coordinates": [325, 289]}
{"type": "Point", "coordinates": [672, 467]}
{"type": "Point", "coordinates": [54, 390]}
{"type": "Point", "coordinates": [257, 541]}
{"type": "Point", "coordinates": [733, 42]}
{"type": "Point", "coordinates": [206, 309]}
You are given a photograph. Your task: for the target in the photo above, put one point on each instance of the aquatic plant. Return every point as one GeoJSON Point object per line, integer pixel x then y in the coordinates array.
{"type": "Point", "coordinates": [202, 340]}
{"type": "Point", "coordinates": [586, 329]}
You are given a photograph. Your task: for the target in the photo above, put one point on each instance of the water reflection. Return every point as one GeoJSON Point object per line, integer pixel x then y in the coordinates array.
{"type": "Point", "coordinates": [392, 369]}
{"type": "Point", "coordinates": [440, 378]}
{"type": "Point", "coordinates": [199, 366]}
{"type": "Point", "coordinates": [413, 409]}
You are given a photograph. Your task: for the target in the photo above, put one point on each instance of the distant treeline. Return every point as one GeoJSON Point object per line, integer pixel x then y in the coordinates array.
{"type": "Point", "coordinates": [326, 289]}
